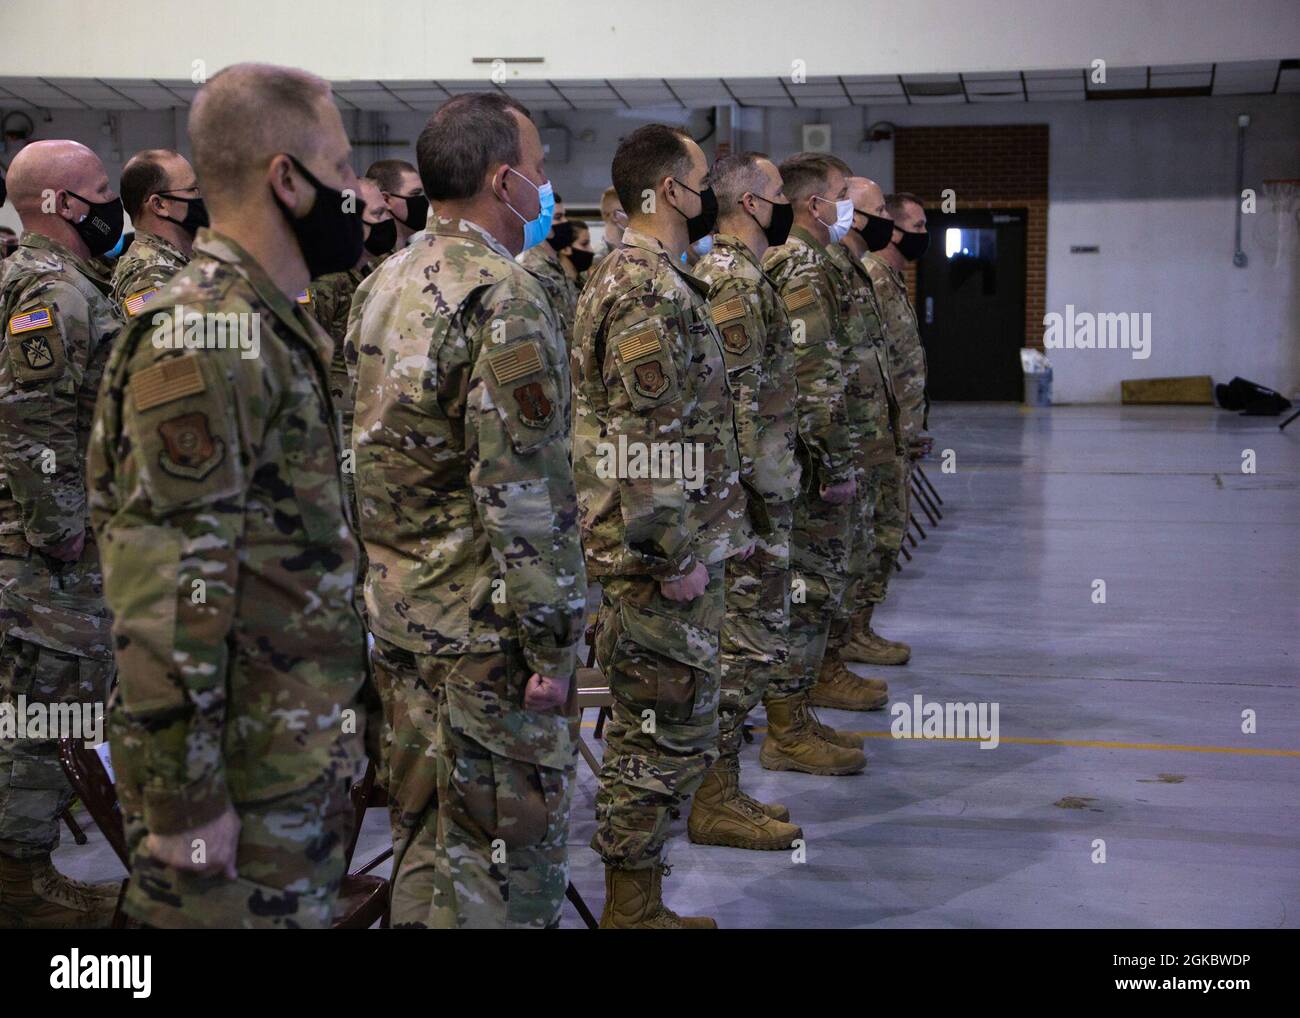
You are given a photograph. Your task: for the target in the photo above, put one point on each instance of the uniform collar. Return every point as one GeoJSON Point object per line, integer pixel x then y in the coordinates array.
{"type": "Point", "coordinates": [44, 243]}
{"type": "Point", "coordinates": [221, 248]}
{"type": "Point", "coordinates": [802, 234]}
{"type": "Point", "coordinates": [734, 244]}
{"type": "Point", "coordinates": [465, 229]}
{"type": "Point", "coordinates": [893, 272]}
{"type": "Point", "coordinates": [161, 243]}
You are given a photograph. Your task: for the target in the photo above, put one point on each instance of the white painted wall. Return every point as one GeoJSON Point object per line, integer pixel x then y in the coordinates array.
{"type": "Point", "coordinates": [413, 40]}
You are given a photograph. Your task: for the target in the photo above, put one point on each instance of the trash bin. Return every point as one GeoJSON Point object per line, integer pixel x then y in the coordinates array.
{"type": "Point", "coordinates": [1038, 377]}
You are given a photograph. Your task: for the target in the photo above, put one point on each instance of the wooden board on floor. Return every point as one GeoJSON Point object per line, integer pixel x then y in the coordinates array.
{"type": "Point", "coordinates": [1189, 389]}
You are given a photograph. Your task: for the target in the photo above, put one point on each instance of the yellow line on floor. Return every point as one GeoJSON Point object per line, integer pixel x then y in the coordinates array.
{"type": "Point", "coordinates": [1079, 743]}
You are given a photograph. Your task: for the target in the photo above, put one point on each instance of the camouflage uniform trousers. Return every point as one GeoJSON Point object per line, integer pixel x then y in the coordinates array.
{"type": "Point", "coordinates": [863, 558]}
{"type": "Point", "coordinates": [33, 787]}
{"type": "Point", "coordinates": [756, 630]}
{"type": "Point", "coordinates": [481, 839]}
{"type": "Point", "coordinates": [820, 547]}
{"type": "Point", "coordinates": [661, 659]}
{"type": "Point", "coordinates": [290, 860]}
{"type": "Point", "coordinates": [892, 506]}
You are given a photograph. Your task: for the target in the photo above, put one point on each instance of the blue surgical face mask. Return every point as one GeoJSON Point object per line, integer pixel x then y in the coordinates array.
{"type": "Point", "coordinates": [536, 230]}
{"type": "Point", "coordinates": [839, 229]}
{"type": "Point", "coordinates": [704, 245]}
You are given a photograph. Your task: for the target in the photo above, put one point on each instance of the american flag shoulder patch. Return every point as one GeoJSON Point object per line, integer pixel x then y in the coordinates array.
{"type": "Point", "coordinates": [516, 362]}
{"type": "Point", "coordinates": [639, 344]}
{"type": "Point", "coordinates": [800, 298]}
{"type": "Point", "coordinates": [729, 310]}
{"type": "Point", "coordinates": [135, 303]}
{"type": "Point", "coordinates": [39, 318]}
{"type": "Point", "coordinates": [166, 381]}
{"type": "Point", "coordinates": [304, 297]}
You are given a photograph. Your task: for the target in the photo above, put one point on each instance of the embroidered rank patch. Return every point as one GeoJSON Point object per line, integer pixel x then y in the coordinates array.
{"type": "Point", "coordinates": [304, 297]}
{"type": "Point", "coordinates": [640, 344]}
{"type": "Point", "coordinates": [28, 321]}
{"type": "Point", "coordinates": [135, 303]}
{"type": "Point", "coordinates": [729, 311]}
{"type": "Point", "coordinates": [515, 363]}
{"type": "Point", "coordinates": [165, 382]}
{"type": "Point", "coordinates": [190, 449]}
{"type": "Point", "coordinates": [800, 298]}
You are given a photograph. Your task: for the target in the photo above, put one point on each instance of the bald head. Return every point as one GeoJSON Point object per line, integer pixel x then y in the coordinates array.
{"type": "Point", "coordinates": [44, 168]}
{"type": "Point", "coordinates": [246, 115]}
{"type": "Point", "coordinates": [867, 196]}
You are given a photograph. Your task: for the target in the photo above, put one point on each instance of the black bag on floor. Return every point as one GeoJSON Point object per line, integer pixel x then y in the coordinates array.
{"type": "Point", "coordinates": [1250, 398]}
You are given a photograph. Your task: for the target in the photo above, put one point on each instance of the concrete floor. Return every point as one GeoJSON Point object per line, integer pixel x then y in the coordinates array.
{"type": "Point", "coordinates": [1202, 570]}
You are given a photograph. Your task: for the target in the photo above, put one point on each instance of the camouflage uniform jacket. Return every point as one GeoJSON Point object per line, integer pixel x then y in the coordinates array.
{"type": "Point", "coordinates": [871, 397]}
{"type": "Point", "coordinates": [142, 270]}
{"type": "Point", "coordinates": [59, 324]}
{"type": "Point", "coordinates": [461, 434]}
{"type": "Point", "coordinates": [228, 560]}
{"type": "Point", "coordinates": [329, 299]}
{"type": "Point", "coordinates": [903, 338]}
{"type": "Point", "coordinates": [759, 351]}
{"type": "Point", "coordinates": [807, 283]}
{"type": "Point", "coordinates": [544, 263]}
{"type": "Point", "coordinates": [650, 377]}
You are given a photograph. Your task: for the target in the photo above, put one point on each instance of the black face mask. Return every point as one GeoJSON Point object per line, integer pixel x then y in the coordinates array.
{"type": "Point", "coordinates": [196, 213]}
{"type": "Point", "coordinates": [701, 225]}
{"type": "Point", "coordinates": [777, 231]}
{"type": "Point", "coordinates": [877, 232]}
{"type": "Point", "coordinates": [417, 211]}
{"type": "Point", "coordinates": [102, 227]}
{"type": "Point", "coordinates": [561, 236]}
{"type": "Point", "coordinates": [329, 238]}
{"type": "Point", "coordinates": [382, 238]}
{"type": "Point", "coordinates": [913, 245]}
{"type": "Point", "coordinates": [581, 259]}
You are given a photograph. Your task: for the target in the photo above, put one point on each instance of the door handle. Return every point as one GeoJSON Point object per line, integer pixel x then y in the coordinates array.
{"type": "Point", "coordinates": [929, 310]}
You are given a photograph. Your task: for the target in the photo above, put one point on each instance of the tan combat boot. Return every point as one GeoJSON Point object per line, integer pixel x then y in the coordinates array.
{"type": "Point", "coordinates": [723, 815]}
{"type": "Point", "coordinates": [634, 901]}
{"type": "Point", "coordinates": [36, 896]}
{"type": "Point", "coordinates": [792, 744]}
{"type": "Point", "coordinates": [869, 647]}
{"type": "Point", "coordinates": [824, 731]}
{"type": "Point", "coordinates": [838, 688]}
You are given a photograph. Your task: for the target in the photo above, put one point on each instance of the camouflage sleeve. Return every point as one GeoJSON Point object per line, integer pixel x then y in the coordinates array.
{"type": "Point", "coordinates": [39, 382]}
{"type": "Point", "coordinates": [643, 364]}
{"type": "Point", "coordinates": [137, 277]}
{"type": "Point", "coordinates": [183, 428]}
{"type": "Point", "coordinates": [819, 371]}
{"type": "Point", "coordinates": [734, 308]}
{"type": "Point", "coordinates": [517, 445]}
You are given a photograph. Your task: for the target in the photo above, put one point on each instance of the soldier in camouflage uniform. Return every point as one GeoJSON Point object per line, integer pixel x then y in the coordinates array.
{"type": "Point", "coordinates": [543, 261]}
{"type": "Point", "coordinates": [54, 628]}
{"type": "Point", "coordinates": [329, 300]}
{"type": "Point", "coordinates": [829, 425]}
{"type": "Point", "coordinates": [229, 562]}
{"type": "Point", "coordinates": [476, 587]}
{"type": "Point", "coordinates": [650, 378]}
{"type": "Point", "coordinates": [759, 354]}
{"type": "Point", "coordinates": [907, 364]}
{"type": "Point", "coordinates": [161, 195]}
{"type": "Point", "coordinates": [873, 412]}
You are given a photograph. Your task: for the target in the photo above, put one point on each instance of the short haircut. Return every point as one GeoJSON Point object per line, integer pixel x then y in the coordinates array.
{"type": "Point", "coordinates": [896, 203]}
{"type": "Point", "coordinates": [806, 173]}
{"type": "Point", "coordinates": [246, 115]}
{"type": "Point", "coordinates": [387, 173]}
{"type": "Point", "coordinates": [733, 176]}
{"type": "Point", "coordinates": [578, 224]}
{"type": "Point", "coordinates": [142, 176]}
{"type": "Point", "coordinates": [609, 203]}
{"type": "Point", "coordinates": [644, 158]}
{"type": "Point", "coordinates": [466, 135]}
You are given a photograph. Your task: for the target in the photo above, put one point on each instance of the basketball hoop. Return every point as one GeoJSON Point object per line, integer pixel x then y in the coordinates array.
{"type": "Point", "coordinates": [1279, 230]}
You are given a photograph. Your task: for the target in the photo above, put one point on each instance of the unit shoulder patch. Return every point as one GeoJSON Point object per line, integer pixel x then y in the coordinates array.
{"type": "Point", "coordinates": [167, 381]}
{"type": "Point", "coordinates": [190, 450]}
{"type": "Point", "coordinates": [35, 344]}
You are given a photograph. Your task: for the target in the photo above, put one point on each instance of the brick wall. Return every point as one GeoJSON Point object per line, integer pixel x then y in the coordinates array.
{"type": "Point", "coordinates": [998, 167]}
